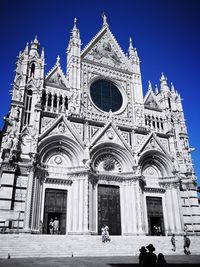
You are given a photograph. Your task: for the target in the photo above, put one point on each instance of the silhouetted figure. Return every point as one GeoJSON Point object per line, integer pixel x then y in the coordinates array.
{"type": "Point", "coordinates": [186, 245]}
{"type": "Point", "coordinates": [173, 241]}
{"type": "Point", "coordinates": [150, 258]}
{"type": "Point", "coordinates": [142, 254]}
{"type": "Point", "coordinates": [161, 262]}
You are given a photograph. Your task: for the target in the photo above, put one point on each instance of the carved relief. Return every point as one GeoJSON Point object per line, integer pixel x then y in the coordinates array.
{"type": "Point", "coordinates": [94, 130]}
{"type": "Point", "coordinates": [46, 121]}
{"type": "Point", "coordinates": [107, 163]}
{"type": "Point", "coordinates": [105, 51]}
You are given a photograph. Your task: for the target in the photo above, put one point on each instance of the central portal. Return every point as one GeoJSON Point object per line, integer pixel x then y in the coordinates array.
{"type": "Point", "coordinates": [109, 209]}
{"type": "Point", "coordinates": [55, 206]}
{"type": "Point", "coordinates": [155, 216]}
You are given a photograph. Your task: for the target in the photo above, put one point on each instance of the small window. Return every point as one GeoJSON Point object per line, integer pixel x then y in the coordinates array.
{"type": "Point", "coordinates": [32, 70]}
{"type": "Point", "coordinates": [28, 103]}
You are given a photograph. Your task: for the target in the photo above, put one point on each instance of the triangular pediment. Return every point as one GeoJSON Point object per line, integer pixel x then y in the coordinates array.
{"type": "Point", "coordinates": [110, 134]}
{"type": "Point", "coordinates": [62, 126]}
{"type": "Point", "coordinates": [56, 78]}
{"type": "Point", "coordinates": [150, 101]}
{"type": "Point", "coordinates": [104, 49]}
{"type": "Point", "coordinates": [152, 142]}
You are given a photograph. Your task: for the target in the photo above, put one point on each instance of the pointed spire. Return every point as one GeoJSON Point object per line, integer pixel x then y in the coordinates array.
{"type": "Point", "coordinates": [35, 44]}
{"type": "Point", "coordinates": [132, 51]}
{"type": "Point", "coordinates": [149, 86]}
{"type": "Point", "coordinates": [75, 21]}
{"type": "Point", "coordinates": [163, 83]}
{"type": "Point", "coordinates": [130, 43]}
{"type": "Point", "coordinates": [105, 24]}
{"type": "Point", "coordinates": [172, 87]}
{"type": "Point", "coordinates": [163, 78]}
{"type": "Point", "coordinates": [36, 40]}
{"type": "Point", "coordinates": [156, 89]}
{"type": "Point", "coordinates": [26, 49]}
{"type": "Point", "coordinates": [75, 31]}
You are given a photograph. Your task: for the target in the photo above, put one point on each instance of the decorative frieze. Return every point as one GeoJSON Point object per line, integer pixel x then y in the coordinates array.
{"type": "Point", "coordinates": [58, 181]}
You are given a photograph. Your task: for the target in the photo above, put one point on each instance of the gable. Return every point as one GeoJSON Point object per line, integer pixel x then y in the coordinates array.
{"type": "Point", "coordinates": [151, 142]}
{"type": "Point", "coordinates": [151, 103]}
{"type": "Point", "coordinates": [62, 126]}
{"type": "Point", "coordinates": [104, 49]}
{"type": "Point", "coordinates": [110, 134]}
{"type": "Point", "coordinates": [56, 78]}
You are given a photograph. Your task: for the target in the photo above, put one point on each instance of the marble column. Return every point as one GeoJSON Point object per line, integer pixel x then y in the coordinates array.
{"type": "Point", "coordinates": [29, 192]}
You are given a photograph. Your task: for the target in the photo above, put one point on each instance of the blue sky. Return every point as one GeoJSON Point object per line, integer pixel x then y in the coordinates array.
{"type": "Point", "coordinates": [166, 34]}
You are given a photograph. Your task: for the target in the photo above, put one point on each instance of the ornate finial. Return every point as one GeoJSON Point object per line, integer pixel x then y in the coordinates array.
{"type": "Point", "coordinates": [104, 19]}
{"type": "Point", "coordinates": [58, 60]}
{"type": "Point", "coordinates": [149, 85]}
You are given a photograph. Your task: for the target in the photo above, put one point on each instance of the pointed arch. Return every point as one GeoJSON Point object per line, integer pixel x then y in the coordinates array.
{"type": "Point", "coordinates": [157, 159]}
{"type": "Point", "coordinates": [123, 160]}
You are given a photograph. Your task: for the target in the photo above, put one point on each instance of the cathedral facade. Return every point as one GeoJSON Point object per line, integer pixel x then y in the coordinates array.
{"type": "Point", "coordinates": [89, 148]}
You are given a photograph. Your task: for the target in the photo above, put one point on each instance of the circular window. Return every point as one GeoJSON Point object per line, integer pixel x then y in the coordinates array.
{"type": "Point", "coordinates": [106, 96]}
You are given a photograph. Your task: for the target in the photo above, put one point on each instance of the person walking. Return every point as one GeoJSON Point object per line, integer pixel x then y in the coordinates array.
{"type": "Point", "coordinates": [150, 258]}
{"type": "Point", "coordinates": [161, 262]}
{"type": "Point", "coordinates": [142, 254]}
{"type": "Point", "coordinates": [56, 226]}
{"type": "Point", "coordinates": [186, 245]}
{"type": "Point", "coordinates": [173, 241]}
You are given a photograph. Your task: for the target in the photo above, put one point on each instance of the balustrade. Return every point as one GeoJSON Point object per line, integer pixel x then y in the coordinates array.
{"type": "Point", "coordinates": [55, 103]}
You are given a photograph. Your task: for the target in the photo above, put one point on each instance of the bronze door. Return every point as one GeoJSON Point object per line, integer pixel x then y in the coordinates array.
{"type": "Point", "coordinates": [109, 209]}
{"type": "Point", "coordinates": [55, 205]}
{"type": "Point", "coordinates": [155, 216]}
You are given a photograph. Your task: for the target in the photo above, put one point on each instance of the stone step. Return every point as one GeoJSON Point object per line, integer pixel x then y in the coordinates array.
{"type": "Point", "coordinates": [23, 245]}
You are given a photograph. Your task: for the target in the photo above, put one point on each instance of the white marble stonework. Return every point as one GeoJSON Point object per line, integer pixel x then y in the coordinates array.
{"type": "Point", "coordinates": [87, 146]}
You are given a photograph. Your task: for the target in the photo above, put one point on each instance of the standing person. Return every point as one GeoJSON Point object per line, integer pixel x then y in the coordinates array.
{"type": "Point", "coordinates": [56, 226]}
{"type": "Point", "coordinates": [161, 262]}
{"type": "Point", "coordinates": [159, 230]}
{"type": "Point", "coordinates": [51, 227]}
{"type": "Point", "coordinates": [142, 254]}
{"type": "Point", "coordinates": [150, 258]}
{"type": "Point", "coordinates": [155, 230]}
{"type": "Point", "coordinates": [173, 241]}
{"type": "Point", "coordinates": [107, 236]}
{"type": "Point", "coordinates": [186, 245]}
{"type": "Point", "coordinates": [103, 233]}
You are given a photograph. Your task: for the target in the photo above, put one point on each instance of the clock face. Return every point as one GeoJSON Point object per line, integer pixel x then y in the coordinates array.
{"type": "Point", "coordinates": [106, 96]}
